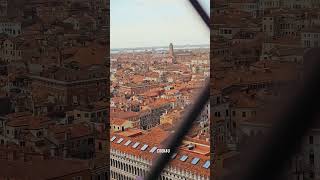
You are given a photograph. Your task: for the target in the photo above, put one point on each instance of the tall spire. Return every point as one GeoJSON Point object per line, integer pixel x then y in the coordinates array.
{"type": "Point", "coordinates": [171, 53]}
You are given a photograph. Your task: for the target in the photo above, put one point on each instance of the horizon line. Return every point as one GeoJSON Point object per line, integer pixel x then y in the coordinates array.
{"type": "Point", "coordinates": [157, 46]}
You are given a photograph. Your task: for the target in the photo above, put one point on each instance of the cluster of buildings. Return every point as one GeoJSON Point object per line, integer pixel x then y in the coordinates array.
{"type": "Point", "coordinates": [150, 91]}
{"type": "Point", "coordinates": [54, 82]}
{"type": "Point", "coordinates": [257, 50]}
{"type": "Point", "coordinates": [56, 76]}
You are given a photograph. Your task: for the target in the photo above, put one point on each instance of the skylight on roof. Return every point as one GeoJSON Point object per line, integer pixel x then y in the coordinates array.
{"type": "Point", "coordinates": [120, 140]}
{"type": "Point", "coordinates": [174, 155]}
{"type": "Point", "coordinates": [144, 147]}
{"type": "Point", "coordinates": [153, 149]}
{"type": "Point", "coordinates": [136, 145]}
{"type": "Point", "coordinates": [184, 158]}
{"type": "Point", "coordinates": [195, 161]}
{"type": "Point", "coordinates": [113, 138]}
{"type": "Point", "coordinates": [207, 164]}
{"type": "Point", "coordinates": [127, 143]}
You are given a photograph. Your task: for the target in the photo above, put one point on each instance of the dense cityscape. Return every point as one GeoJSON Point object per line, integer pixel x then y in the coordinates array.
{"type": "Point", "coordinates": [150, 91]}
{"type": "Point", "coordinates": [72, 108]}
{"type": "Point", "coordinates": [53, 89]}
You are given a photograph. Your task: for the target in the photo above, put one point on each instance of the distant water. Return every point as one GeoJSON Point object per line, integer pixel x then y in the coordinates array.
{"type": "Point", "coordinates": [159, 49]}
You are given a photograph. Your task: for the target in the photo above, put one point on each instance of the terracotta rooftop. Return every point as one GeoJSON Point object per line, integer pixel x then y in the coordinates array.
{"type": "Point", "coordinates": [42, 169]}
{"type": "Point", "coordinates": [123, 114]}
{"type": "Point", "coordinates": [74, 130]}
{"type": "Point", "coordinates": [156, 138]}
{"type": "Point", "coordinates": [89, 55]}
{"type": "Point", "coordinates": [117, 121]}
{"type": "Point", "coordinates": [30, 122]}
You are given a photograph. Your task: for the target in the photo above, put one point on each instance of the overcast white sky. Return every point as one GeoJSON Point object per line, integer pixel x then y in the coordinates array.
{"type": "Point", "coordinates": [145, 23]}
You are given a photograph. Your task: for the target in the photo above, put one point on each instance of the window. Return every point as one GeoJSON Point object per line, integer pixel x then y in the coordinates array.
{"type": "Point", "coordinates": [86, 115]}
{"type": "Point", "coordinates": [75, 99]}
{"type": "Point", "coordinates": [77, 178]}
{"type": "Point", "coordinates": [244, 114]}
{"type": "Point", "coordinates": [98, 177]}
{"type": "Point", "coordinates": [100, 146]}
{"type": "Point", "coordinates": [311, 158]}
{"type": "Point", "coordinates": [90, 141]}
{"type": "Point", "coordinates": [22, 143]}
{"type": "Point", "coordinates": [310, 139]}
{"type": "Point", "coordinates": [233, 113]}
{"type": "Point", "coordinates": [39, 133]}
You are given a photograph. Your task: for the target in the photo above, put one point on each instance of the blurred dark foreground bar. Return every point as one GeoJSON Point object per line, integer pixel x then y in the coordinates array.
{"type": "Point", "coordinates": [294, 115]}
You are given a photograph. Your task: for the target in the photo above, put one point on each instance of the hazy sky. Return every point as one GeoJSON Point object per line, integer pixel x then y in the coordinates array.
{"type": "Point", "coordinates": [141, 23]}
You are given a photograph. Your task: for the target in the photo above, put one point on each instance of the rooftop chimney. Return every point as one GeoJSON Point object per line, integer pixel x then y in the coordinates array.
{"type": "Point", "coordinates": [191, 146]}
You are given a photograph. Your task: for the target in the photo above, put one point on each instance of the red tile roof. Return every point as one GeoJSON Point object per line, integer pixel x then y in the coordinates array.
{"type": "Point", "coordinates": [156, 137]}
